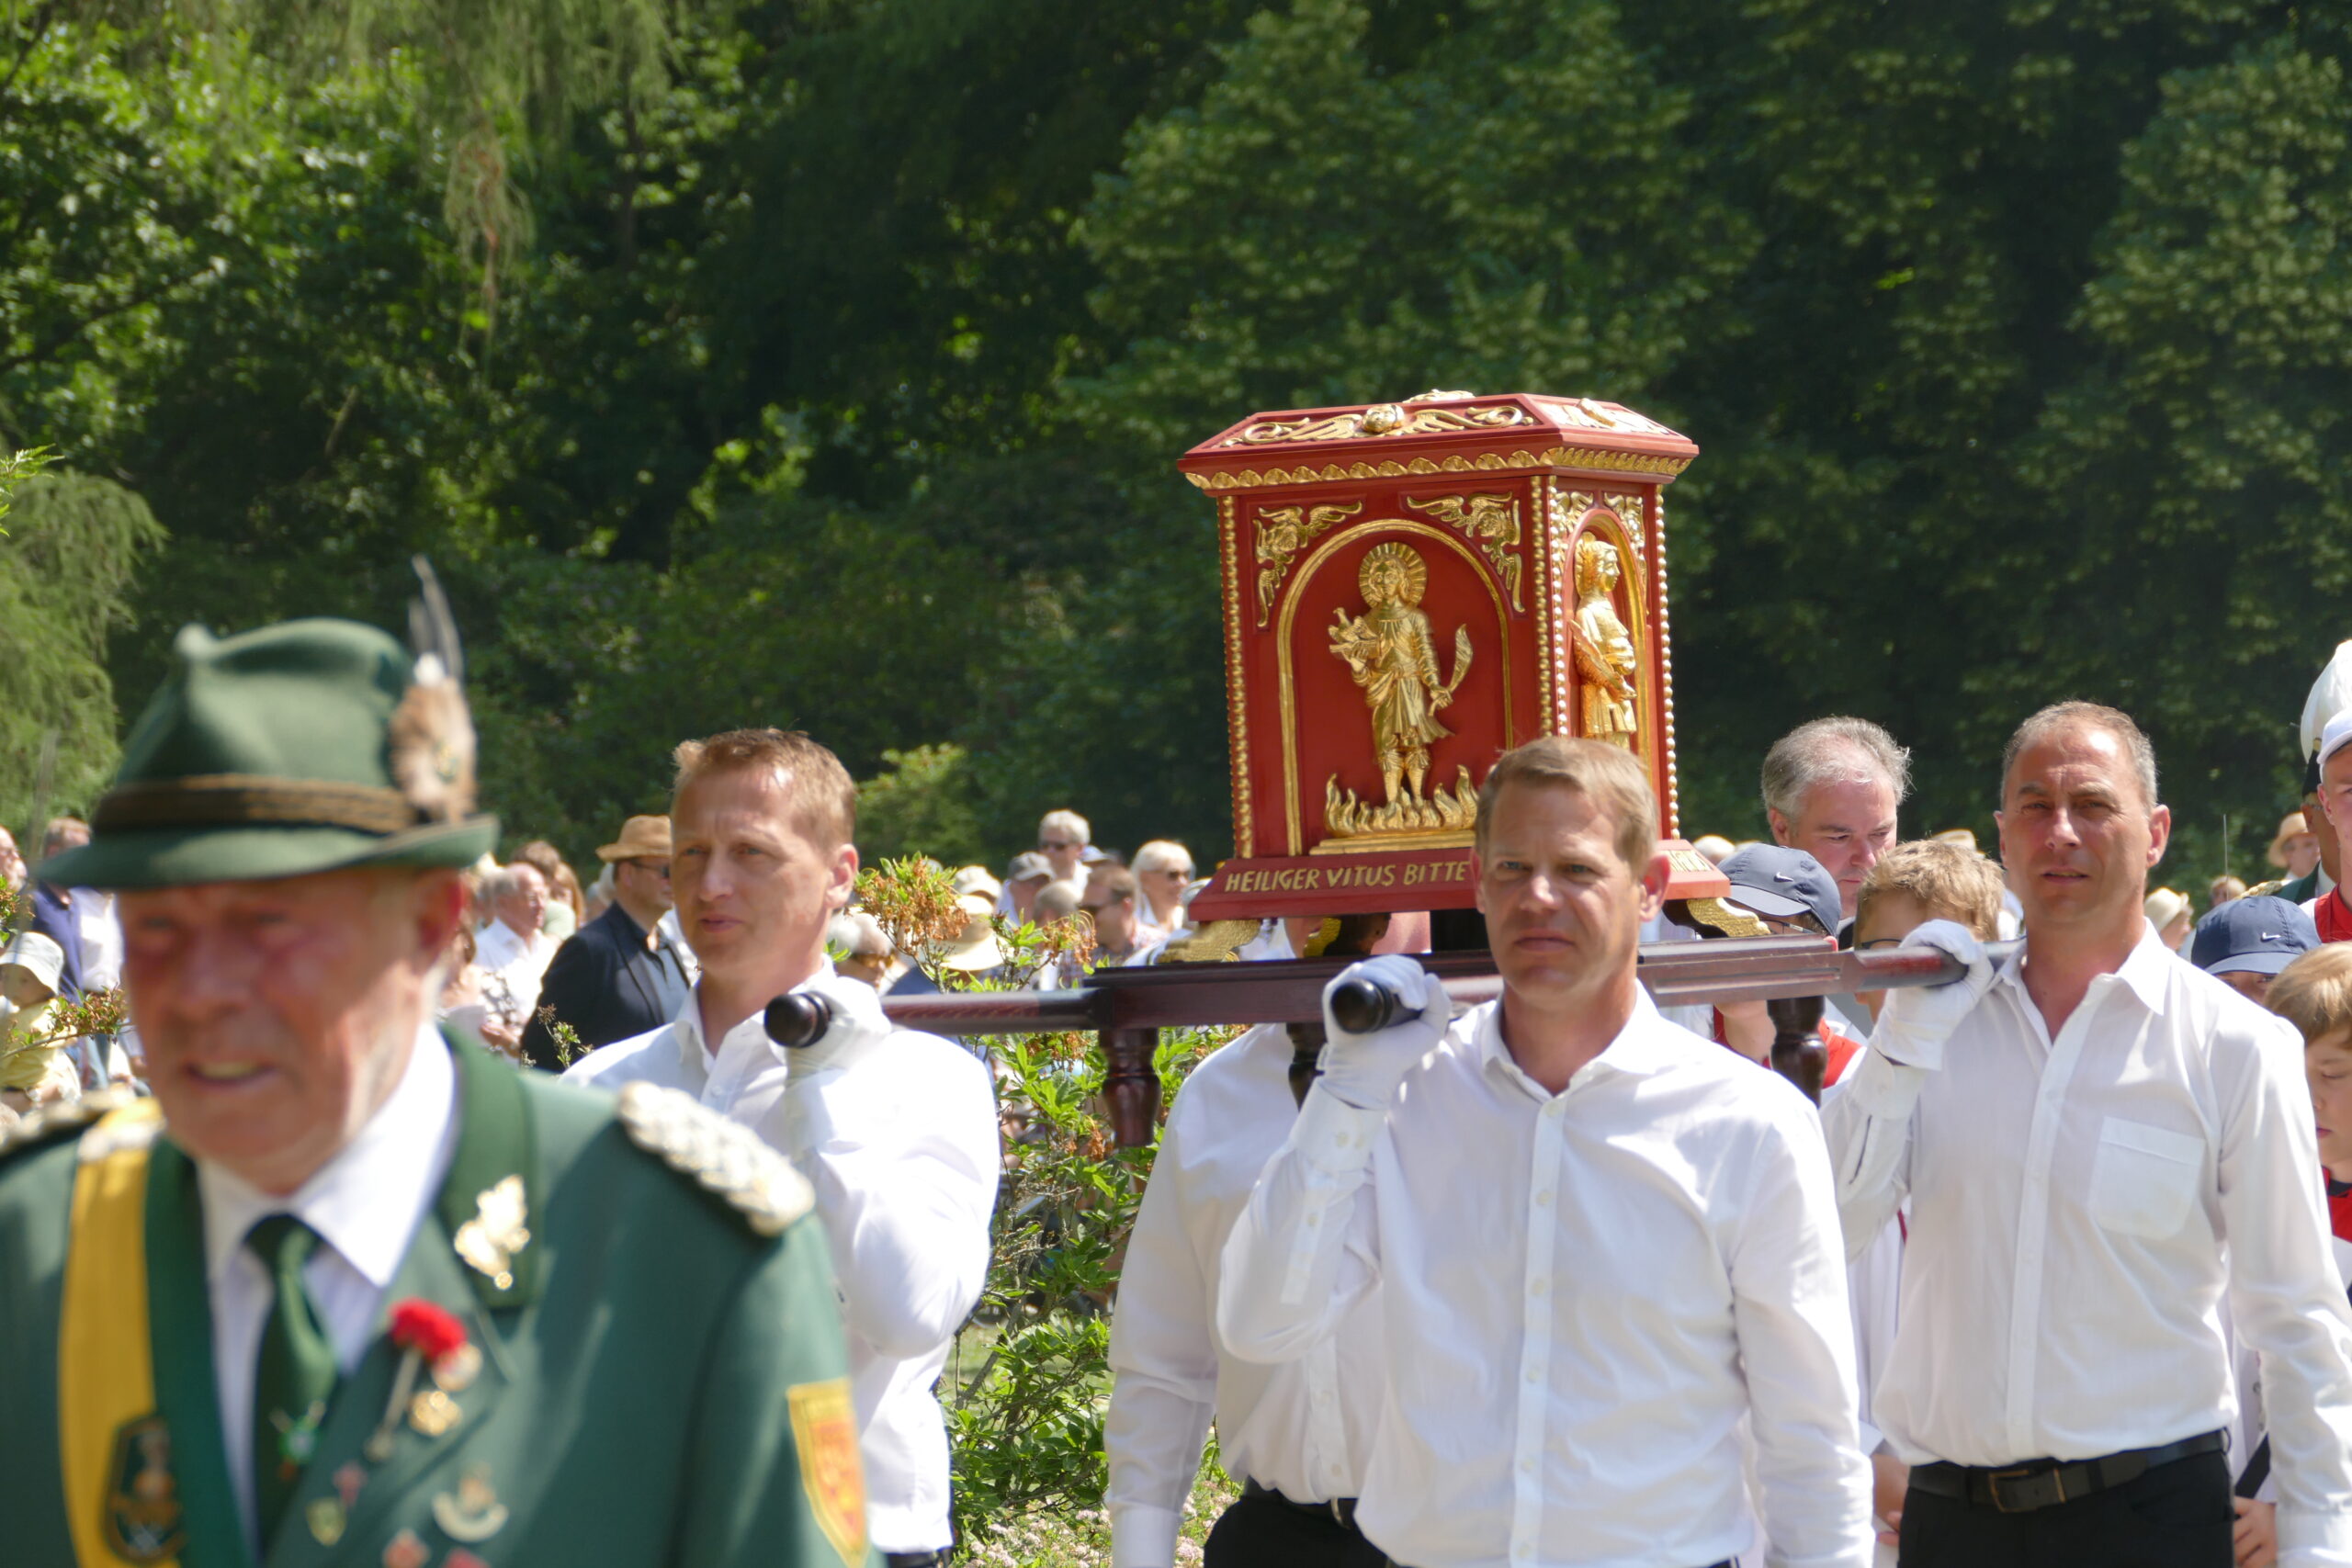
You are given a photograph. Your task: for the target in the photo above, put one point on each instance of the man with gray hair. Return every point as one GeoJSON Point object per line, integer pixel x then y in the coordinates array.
{"type": "Point", "coordinates": [1831, 789]}
{"type": "Point", "coordinates": [1063, 838]}
{"type": "Point", "coordinates": [2097, 1140]}
{"type": "Point", "coordinates": [514, 951]}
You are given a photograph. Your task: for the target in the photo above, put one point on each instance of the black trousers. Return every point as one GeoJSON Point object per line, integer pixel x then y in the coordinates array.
{"type": "Point", "coordinates": [1266, 1532]}
{"type": "Point", "coordinates": [2176, 1516]}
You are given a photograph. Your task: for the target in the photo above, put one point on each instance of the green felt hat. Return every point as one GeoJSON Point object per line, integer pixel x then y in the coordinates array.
{"type": "Point", "coordinates": [298, 748]}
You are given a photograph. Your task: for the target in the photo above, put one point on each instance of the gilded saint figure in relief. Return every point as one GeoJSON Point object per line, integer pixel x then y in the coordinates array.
{"type": "Point", "coordinates": [1389, 652]}
{"type": "Point", "coordinates": [1606, 659]}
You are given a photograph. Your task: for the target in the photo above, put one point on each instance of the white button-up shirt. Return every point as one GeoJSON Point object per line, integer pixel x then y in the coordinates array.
{"type": "Point", "coordinates": [2077, 1207]}
{"type": "Point", "coordinates": [1303, 1427]}
{"type": "Point", "coordinates": [365, 1203]}
{"type": "Point", "coordinates": [1587, 1292]}
{"type": "Point", "coordinates": [902, 1147]}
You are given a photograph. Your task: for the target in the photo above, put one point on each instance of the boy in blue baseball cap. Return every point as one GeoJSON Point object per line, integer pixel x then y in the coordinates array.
{"type": "Point", "coordinates": [2247, 941]}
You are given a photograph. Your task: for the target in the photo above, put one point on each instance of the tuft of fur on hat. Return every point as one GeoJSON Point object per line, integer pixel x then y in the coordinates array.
{"type": "Point", "coordinates": [430, 744]}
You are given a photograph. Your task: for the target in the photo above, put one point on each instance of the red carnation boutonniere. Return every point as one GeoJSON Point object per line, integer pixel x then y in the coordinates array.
{"type": "Point", "coordinates": [428, 1336]}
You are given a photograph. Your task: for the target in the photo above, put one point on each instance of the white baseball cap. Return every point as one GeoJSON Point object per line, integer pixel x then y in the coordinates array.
{"type": "Point", "coordinates": [2336, 737]}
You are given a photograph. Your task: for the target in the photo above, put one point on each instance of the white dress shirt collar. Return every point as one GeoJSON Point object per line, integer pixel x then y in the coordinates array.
{"type": "Point", "coordinates": [366, 1201]}
{"type": "Point", "coordinates": [2143, 972]}
{"type": "Point", "coordinates": [1638, 1049]}
{"type": "Point", "coordinates": [748, 1037]}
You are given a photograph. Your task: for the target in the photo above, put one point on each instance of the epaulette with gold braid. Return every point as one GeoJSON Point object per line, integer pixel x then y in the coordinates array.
{"type": "Point", "coordinates": [48, 1123]}
{"type": "Point", "coordinates": [725, 1159]}
{"type": "Point", "coordinates": [2265, 889]}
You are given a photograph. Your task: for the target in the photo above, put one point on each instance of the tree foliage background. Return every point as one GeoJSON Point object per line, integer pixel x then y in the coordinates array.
{"type": "Point", "coordinates": [822, 365]}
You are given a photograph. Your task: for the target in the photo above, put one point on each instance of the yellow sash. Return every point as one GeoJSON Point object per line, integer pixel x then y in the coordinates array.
{"type": "Point", "coordinates": [106, 1373]}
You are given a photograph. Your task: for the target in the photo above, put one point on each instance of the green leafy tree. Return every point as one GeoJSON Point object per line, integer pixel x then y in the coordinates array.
{"type": "Point", "coordinates": [71, 545]}
{"type": "Point", "coordinates": [921, 804]}
{"type": "Point", "coordinates": [1353, 214]}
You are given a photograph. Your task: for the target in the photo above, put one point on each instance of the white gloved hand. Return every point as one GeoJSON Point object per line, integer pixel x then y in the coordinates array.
{"type": "Point", "coordinates": [1917, 1020]}
{"type": "Point", "coordinates": [1363, 1071]}
{"type": "Point", "coordinates": [859, 1026]}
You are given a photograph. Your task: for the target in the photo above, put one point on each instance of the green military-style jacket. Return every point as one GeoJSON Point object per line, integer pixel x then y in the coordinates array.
{"type": "Point", "coordinates": [656, 1378]}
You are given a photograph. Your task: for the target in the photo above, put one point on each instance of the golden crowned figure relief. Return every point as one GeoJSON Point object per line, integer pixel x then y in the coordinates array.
{"type": "Point", "coordinates": [1607, 662]}
{"type": "Point", "coordinates": [1392, 655]}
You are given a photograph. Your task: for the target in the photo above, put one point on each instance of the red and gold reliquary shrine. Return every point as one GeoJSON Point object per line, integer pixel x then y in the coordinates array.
{"type": "Point", "coordinates": [1412, 589]}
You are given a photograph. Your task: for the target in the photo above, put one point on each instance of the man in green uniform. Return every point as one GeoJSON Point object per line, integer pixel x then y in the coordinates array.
{"type": "Point", "coordinates": [350, 1291]}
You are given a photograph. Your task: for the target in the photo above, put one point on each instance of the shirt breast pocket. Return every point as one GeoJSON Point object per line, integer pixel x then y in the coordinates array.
{"type": "Point", "coordinates": [2144, 1178]}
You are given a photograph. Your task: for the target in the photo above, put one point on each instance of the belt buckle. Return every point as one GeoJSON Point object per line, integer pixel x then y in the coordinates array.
{"type": "Point", "coordinates": [1993, 1485]}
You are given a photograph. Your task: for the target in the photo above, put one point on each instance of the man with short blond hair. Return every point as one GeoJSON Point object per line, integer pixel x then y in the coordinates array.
{"type": "Point", "coordinates": [2097, 1140]}
{"type": "Point", "coordinates": [1606, 1249]}
{"type": "Point", "coordinates": [897, 1129]}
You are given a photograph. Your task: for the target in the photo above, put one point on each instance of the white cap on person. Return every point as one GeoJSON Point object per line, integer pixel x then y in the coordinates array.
{"type": "Point", "coordinates": [2336, 737]}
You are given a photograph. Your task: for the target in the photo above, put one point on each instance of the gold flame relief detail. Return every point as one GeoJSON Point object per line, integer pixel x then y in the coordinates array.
{"type": "Point", "coordinates": [1392, 655]}
{"type": "Point", "coordinates": [1282, 532]}
{"type": "Point", "coordinates": [1490, 520]}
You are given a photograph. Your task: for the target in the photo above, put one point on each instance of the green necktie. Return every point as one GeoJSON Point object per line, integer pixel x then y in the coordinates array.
{"type": "Point", "coordinates": [294, 1379]}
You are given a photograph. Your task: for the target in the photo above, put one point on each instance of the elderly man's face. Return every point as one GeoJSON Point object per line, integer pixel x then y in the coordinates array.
{"type": "Point", "coordinates": [2077, 833]}
{"type": "Point", "coordinates": [1061, 851]}
{"type": "Point", "coordinates": [1844, 825]}
{"type": "Point", "coordinates": [524, 905]}
{"type": "Point", "coordinates": [278, 1016]}
{"type": "Point", "coordinates": [754, 891]}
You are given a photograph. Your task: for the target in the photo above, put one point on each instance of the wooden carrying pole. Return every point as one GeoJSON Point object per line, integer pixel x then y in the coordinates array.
{"type": "Point", "coordinates": [1129, 1007]}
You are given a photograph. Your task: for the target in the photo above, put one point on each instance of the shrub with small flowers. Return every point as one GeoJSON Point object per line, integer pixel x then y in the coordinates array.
{"type": "Point", "coordinates": [1027, 1390]}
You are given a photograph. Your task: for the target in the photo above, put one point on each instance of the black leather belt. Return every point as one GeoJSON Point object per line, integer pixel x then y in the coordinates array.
{"type": "Point", "coordinates": [915, 1559]}
{"type": "Point", "coordinates": [1341, 1511]}
{"type": "Point", "coordinates": [2043, 1483]}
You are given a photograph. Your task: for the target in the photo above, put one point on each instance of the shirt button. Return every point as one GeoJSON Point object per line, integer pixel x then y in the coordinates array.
{"type": "Point", "coordinates": [1544, 1198]}
{"type": "Point", "coordinates": [1536, 1287]}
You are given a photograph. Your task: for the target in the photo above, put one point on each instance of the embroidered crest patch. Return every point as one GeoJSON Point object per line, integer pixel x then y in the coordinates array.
{"type": "Point", "coordinates": [143, 1518]}
{"type": "Point", "coordinates": [824, 1428]}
